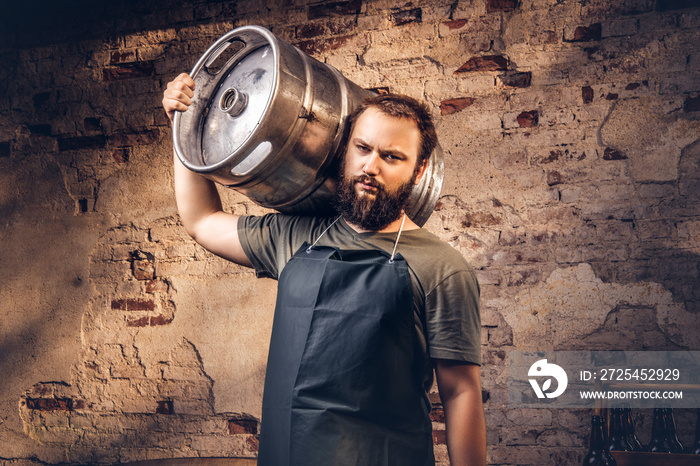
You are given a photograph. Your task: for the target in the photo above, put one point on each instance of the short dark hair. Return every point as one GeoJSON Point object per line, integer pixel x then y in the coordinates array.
{"type": "Point", "coordinates": [402, 106]}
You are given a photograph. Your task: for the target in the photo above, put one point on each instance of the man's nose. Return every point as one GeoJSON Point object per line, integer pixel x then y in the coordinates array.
{"type": "Point", "coordinates": [371, 166]}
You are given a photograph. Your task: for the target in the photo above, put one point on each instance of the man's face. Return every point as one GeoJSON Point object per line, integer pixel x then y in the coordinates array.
{"type": "Point", "coordinates": [379, 169]}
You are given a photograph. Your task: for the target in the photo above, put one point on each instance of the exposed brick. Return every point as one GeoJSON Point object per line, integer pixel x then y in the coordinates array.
{"type": "Point", "coordinates": [612, 154]}
{"type": "Point", "coordinates": [455, 24]}
{"type": "Point", "coordinates": [253, 443]}
{"type": "Point", "coordinates": [309, 30]}
{"type": "Point", "coordinates": [140, 322]}
{"type": "Point", "coordinates": [351, 7]}
{"type": "Point", "coordinates": [554, 178]}
{"type": "Point", "coordinates": [528, 119]}
{"type": "Point", "coordinates": [81, 142]}
{"type": "Point", "coordinates": [439, 437]}
{"type": "Point", "coordinates": [153, 286]}
{"type": "Point", "coordinates": [122, 56]}
{"type": "Point", "coordinates": [243, 425]}
{"type": "Point", "coordinates": [691, 104]}
{"type": "Point", "coordinates": [143, 269]}
{"type": "Point", "coordinates": [450, 106]}
{"type": "Point", "coordinates": [128, 71]}
{"type": "Point", "coordinates": [587, 94]}
{"type": "Point", "coordinates": [585, 33]}
{"type": "Point", "coordinates": [414, 15]}
{"type": "Point", "coordinates": [516, 79]}
{"type": "Point", "coordinates": [484, 63]}
{"type": "Point", "coordinates": [159, 320]}
{"type": "Point", "coordinates": [501, 5]}
{"type": "Point", "coordinates": [133, 304]}
{"type": "Point", "coordinates": [165, 407]}
{"type": "Point", "coordinates": [437, 415]}
{"type": "Point", "coordinates": [50, 404]}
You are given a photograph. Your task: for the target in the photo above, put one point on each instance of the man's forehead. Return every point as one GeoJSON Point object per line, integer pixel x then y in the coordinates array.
{"type": "Point", "coordinates": [376, 127]}
{"type": "Point", "coordinates": [374, 113]}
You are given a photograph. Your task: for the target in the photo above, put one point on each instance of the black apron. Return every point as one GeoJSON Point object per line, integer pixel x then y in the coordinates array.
{"type": "Point", "coordinates": [343, 387]}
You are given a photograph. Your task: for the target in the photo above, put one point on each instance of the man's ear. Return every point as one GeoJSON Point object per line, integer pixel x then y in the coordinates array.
{"type": "Point", "coordinates": [420, 171]}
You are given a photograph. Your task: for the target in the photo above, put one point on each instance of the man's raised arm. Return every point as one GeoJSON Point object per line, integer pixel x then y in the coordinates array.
{"type": "Point", "coordinates": [197, 198]}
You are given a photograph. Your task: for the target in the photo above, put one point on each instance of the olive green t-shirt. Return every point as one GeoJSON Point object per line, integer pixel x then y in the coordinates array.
{"type": "Point", "coordinates": [445, 289]}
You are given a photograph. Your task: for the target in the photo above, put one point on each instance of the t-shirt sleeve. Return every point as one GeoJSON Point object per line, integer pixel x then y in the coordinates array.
{"type": "Point", "coordinates": [268, 241]}
{"type": "Point", "coordinates": [452, 318]}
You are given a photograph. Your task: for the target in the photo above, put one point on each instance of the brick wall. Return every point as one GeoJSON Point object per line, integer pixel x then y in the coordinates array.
{"type": "Point", "coordinates": [570, 132]}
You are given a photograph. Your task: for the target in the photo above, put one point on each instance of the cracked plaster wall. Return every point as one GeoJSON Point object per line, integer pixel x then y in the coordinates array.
{"type": "Point", "coordinates": [570, 131]}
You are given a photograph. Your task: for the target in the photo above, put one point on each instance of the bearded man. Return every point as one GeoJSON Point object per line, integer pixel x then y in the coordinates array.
{"type": "Point", "coordinates": [370, 307]}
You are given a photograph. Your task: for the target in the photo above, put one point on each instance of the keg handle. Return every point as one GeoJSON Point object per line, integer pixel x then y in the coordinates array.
{"type": "Point", "coordinates": [219, 56]}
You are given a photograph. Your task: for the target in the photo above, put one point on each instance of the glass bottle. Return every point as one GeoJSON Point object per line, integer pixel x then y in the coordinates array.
{"type": "Point", "coordinates": [676, 445]}
{"type": "Point", "coordinates": [630, 435]}
{"type": "Point", "coordinates": [597, 454]}
{"type": "Point", "coordinates": [616, 437]}
{"type": "Point", "coordinates": [695, 449]}
{"type": "Point", "coordinates": [659, 437]}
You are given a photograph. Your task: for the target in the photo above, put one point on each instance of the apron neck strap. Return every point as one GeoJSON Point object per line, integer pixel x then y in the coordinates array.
{"type": "Point", "coordinates": [308, 250]}
{"type": "Point", "coordinates": [398, 235]}
{"type": "Point", "coordinates": [396, 243]}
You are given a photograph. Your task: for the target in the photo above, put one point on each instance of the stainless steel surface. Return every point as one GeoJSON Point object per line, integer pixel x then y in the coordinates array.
{"type": "Point", "coordinates": [268, 121]}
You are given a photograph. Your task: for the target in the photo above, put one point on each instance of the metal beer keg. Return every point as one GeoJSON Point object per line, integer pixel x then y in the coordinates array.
{"type": "Point", "coordinates": [268, 121]}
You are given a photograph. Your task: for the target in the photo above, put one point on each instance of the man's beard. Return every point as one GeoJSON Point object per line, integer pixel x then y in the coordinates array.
{"type": "Point", "coordinates": [371, 212]}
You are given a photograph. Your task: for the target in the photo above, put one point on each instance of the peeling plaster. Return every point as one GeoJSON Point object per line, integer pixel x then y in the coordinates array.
{"type": "Point", "coordinates": [572, 302]}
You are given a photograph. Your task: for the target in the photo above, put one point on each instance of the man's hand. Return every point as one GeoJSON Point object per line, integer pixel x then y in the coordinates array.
{"type": "Point", "coordinates": [460, 391]}
{"type": "Point", "coordinates": [197, 198]}
{"type": "Point", "coordinates": [178, 95]}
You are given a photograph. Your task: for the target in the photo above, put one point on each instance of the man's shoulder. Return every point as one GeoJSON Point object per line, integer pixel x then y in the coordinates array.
{"type": "Point", "coordinates": [432, 259]}
{"type": "Point", "coordinates": [423, 241]}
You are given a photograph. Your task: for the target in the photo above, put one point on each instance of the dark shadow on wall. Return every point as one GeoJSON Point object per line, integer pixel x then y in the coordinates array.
{"type": "Point", "coordinates": [676, 219]}
{"type": "Point", "coordinates": [32, 23]}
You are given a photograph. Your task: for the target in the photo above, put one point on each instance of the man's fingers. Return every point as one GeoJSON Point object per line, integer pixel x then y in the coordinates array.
{"type": "Point", "coordinates": [172, 105]}
{"type": "Point", "coordinates": [178, 95]}
{"type": "Point", "coordinates": [186, 79]}
{"type": "Point", "coordinates": [180, 87]}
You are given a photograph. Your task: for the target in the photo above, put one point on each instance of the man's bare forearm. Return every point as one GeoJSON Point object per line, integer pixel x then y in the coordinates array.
{"type": "Point", "coordinates": [466, 431]}
{"type": "Point", "coordinates": [201, 212]}
{"type": "Point", "coordinates": [196, 197]}
{"type": "Point", "coordinates": [460, 391]}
